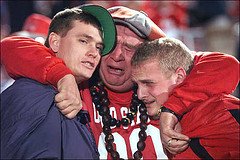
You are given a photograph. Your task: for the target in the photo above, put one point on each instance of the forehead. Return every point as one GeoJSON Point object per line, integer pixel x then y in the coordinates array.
{"type": "Point", "coordinates": [80, 28]}
{"type": "Point", "coordinates": [146, 70]}
{"type": "Point", "coordinates": [128, 35]}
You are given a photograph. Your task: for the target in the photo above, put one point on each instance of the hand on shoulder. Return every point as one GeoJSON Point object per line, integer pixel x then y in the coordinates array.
{"type": "Point", "coordinates": [68, 99]}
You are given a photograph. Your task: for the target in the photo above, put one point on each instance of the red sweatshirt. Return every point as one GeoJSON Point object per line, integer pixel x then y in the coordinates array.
{"type": "Point", "coordinates": [213, 73]}
{"type": "Point", "coordinates": [25, 57]}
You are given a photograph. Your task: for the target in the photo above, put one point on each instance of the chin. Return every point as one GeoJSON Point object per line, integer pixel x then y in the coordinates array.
{"type": "Point", "coordinates": [83, 77]}
{"type": "Point", "coordinates": [151, 112]}
{"type": "Point", "coordinates": [88, 75]}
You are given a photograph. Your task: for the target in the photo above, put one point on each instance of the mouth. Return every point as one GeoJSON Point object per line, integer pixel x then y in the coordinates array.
{"type": "Point", "coordinates": [115, 70]}
{"type": "Point", "coordinates": [148, 103]}
{"type": "Point", "coordinates": [88, 64]}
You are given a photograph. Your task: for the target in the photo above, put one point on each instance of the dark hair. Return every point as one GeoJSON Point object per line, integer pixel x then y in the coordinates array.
{"type": "Point", "coordinates": [170, 53]}
{"type": "Point", "coordinates": [62, 22]}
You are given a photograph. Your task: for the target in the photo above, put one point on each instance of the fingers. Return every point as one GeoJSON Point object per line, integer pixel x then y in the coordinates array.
{"type": "Point", "coordinates": [175, 146]}
{"type": "Point", "coordinates": [68, 99]}
{"type": "Point", "coordinates": [169, 142]}
{"type": "Point", "coordinates": [64, 95]}
{"type": "Point", "coordinates": [167, 134]}
{"type": "Point", "coordinates": [178, 136]}
{"type": "Point", "coordinates": [72, 114]}
{"type": "Point", "coordinates": [175, 143]}
{"type": "Point", "coordinates": [67, 110]}
{"type": "Point", "coordinates": [172, 139]}
{"type": "Point", "coordinates": [64, 99]}
{"type": "Point", "coordinates": [68, 104]}
{"type": "Point", "coordinates": [70, 111]}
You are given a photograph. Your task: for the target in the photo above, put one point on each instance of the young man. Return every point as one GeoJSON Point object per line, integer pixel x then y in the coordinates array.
{"type": "Point", "coordinates": [133, 28]}
{"type": "Point", "coordinates": [31, 125]}
{"type": "Point", "coordinates": [163, 70]}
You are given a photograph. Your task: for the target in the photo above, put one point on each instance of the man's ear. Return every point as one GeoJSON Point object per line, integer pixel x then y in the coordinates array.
{"type": "Point", "coordinates": [181, 75]}
{"type": "Point", "coordinates": [54, 41]}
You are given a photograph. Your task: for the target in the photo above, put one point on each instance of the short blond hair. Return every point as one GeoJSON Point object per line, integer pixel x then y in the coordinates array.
{"type": "Point", "coordinates": [170, 52]}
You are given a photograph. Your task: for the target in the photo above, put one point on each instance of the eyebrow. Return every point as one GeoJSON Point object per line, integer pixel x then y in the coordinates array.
{"type": "Point", "coordinates": [91, 38]}
{"type": "Point", "coordinates": [130, 45]}
{"type": "Point", "coordinates": [146, 81]}
{"type": "Point", "coordinates": [143, 80]}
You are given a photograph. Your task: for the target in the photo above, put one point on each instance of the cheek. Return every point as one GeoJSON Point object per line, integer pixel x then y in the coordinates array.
{"type": "Point", "coordinates": [73, 58]}
{"type": "Point", "coordinates": [128, 66]}
{"type": "Point", "coordinates": [160, 94]}
{"type": "Point", "coordinates": [98, 59]}
{"type": "Point", "coordinates": [161, 98]}
{"type": "Point", "coordinates": [155, 92]}
{"type": "Point", "coordinates": [128, 59]}
{"type": "Point", "coordinates": [104, 61]}
{"type": "Point", "coordinates": [70, 62]}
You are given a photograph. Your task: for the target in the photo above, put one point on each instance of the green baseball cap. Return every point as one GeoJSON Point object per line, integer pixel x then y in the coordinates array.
{"type": "Point", "coordinates": [108, 26]}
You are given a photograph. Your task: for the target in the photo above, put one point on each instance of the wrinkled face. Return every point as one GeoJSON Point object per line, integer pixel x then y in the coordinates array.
{"type": "Point", "coordinates": [154, 87]}
{"type": "Point", "coordinates": [80, 49]}
{"type": "Point", "coordinates": [115, 68]}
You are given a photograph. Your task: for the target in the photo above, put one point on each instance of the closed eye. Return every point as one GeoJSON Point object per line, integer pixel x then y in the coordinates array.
{"type": "Point", "coordinates": [83, 41]}
{"type": "Point", "coordinates": [99, 48]}
{"type": "Point", "coordinates": [129, 47]}
{"type": "Point", "coordinates": [148, 83]}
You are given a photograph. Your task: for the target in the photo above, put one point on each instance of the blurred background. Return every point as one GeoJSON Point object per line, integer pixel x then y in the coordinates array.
{"type": "Point", "coordinates": [201, 25]}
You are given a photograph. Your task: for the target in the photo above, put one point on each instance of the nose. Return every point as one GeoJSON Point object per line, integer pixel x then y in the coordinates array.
{"type": "Point", "coordinates": [141, 92]}
{"type": "Point", "coordinates": [117, 54]}
{"type": "Point", "coordinates": [93, 52]}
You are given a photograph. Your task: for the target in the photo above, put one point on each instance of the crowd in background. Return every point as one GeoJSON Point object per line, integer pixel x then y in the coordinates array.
{"type": "Point", "coordinates": [202, 25]}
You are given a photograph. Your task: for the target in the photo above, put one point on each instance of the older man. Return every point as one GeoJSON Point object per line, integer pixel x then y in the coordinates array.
{"type": "Point", "coordinates": [31, 125]}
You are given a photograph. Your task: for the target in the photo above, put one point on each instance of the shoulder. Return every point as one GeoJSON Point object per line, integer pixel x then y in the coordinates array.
{"type": "Point", "coordinates": [15, 40]}
{"type": "Point", "coordinates": [25, 86]}
{"type": "Point", "coordinates": [26, 95]}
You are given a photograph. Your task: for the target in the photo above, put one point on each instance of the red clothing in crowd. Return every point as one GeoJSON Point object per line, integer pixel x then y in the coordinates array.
{"type": "Point", "coordinates": [162, 12]}
{"type": "Point", "coordinates": [25, 57]}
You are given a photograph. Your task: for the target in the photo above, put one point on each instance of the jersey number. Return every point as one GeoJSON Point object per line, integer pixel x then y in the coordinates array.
{"type": "Point", "coordinates": [121, 147]}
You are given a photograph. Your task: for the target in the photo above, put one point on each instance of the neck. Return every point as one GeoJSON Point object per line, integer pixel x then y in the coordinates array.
{"type": "Point", "coordinates": [119, 89]}
{"type": "Point", "coordinates": [123, 98]}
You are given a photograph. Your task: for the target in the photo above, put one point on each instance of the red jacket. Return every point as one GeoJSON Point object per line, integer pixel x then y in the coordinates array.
{"type": "Point", "coordinates": [24, 57]}
{"type": "Point", "coordinates": [213, 126]}
{"type": "Point", "coordinates": [213, 73]}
